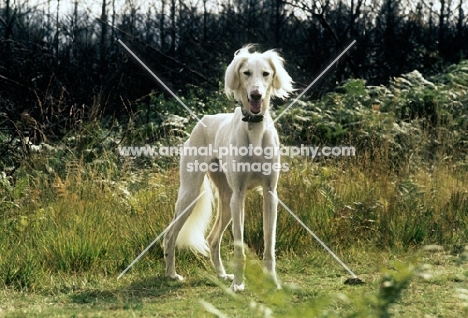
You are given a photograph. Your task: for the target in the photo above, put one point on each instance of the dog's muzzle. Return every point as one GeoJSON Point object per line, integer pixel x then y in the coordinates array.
{"type": "Point", "coordinates": [255, 102]}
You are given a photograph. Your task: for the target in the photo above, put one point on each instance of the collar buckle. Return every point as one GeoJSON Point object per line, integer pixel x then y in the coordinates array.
{"type": "Point", "coordinates": [250, 119]}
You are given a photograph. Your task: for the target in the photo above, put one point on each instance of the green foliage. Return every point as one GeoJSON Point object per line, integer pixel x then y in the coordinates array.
{"type": "Point", "coordinates": [267, 301]}
{"type": "Point", "coordinates": [166, 118]}
{"type": "Point", "coordinates": [79, 224]}
{"type": "Point", "coordinates": [392, 286]}
{"type": "Point", "coordinates": [414, 121]}
{"type": "Point", "coordinates": [21, 269]}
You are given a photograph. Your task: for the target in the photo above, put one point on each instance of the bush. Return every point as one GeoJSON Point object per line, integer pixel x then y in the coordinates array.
{"type": "Point", "coordinates": [414, 121]}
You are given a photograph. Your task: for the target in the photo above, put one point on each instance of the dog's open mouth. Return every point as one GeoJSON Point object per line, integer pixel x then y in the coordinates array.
{"type": "Point", "coordinates": [255, 106]}
{"type": "Point", "coordinates": [255, 103]}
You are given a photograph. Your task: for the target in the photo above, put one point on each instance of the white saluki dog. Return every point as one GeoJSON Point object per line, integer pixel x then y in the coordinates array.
{"type": "Point", "coordinates": [252, 78]}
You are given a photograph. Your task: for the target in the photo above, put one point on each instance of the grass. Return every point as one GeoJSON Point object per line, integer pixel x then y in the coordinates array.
{"type": "Point", "coordinates": [314, 287]}
{"type": "Point", "coordinates": [70, 236]}
{"type": "Point", "coordinates": [73, 217]}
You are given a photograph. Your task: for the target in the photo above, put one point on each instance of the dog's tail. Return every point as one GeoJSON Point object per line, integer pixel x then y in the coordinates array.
{"type": "Point", "coordinates": [192, 234]}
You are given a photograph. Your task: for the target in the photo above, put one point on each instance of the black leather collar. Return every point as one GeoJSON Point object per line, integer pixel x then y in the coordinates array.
{"type": "Point", "coordinates": [251, 118]}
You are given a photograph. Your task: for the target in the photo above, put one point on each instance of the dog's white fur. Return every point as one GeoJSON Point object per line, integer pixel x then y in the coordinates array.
{"type": "Point", "coordinates": [252, 78]}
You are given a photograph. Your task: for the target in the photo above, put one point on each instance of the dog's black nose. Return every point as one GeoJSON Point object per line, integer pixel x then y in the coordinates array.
{"type": "Point", "coordinates": [255, 96]}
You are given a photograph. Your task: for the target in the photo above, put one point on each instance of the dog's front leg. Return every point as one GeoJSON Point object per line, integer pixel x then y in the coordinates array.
{"type": "Point", "coordinates": [270, 207]}
{"type": "Point", "coordinates": [237, 211]}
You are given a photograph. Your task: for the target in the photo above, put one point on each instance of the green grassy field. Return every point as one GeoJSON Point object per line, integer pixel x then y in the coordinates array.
{"type": "Point", "coordinates": [435, 286]}
{"type": "Point", "coordinates": [73, 217]}
{"type": "Point", "coordinates": [62, 251]}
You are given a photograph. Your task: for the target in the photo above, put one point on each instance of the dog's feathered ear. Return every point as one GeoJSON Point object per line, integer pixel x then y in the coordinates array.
{"type": "Point", "coordinates": [282, 82]}
{"type": "Point", "coordinates": [231, 79]}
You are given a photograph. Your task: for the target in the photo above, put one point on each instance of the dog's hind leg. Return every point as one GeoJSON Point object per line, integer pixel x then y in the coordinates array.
{"type": "Point", "coordinates": [223, 219]}
{"type": "Point", "coordinates": [190, 189]}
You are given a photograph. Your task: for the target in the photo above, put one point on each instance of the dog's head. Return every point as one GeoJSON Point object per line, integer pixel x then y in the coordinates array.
{"type": "Point", "coordinates": [252, 78]}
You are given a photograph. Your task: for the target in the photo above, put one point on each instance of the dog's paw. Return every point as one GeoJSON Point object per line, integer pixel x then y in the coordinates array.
{"type": "Point", "coordinates": [176, 277]}
{"type": "Point", "coordinates": [226, 277]}
{"type": "Point", "coordinates": [229, 277]}
{"type": "Point", "coordinates": [237, 288]}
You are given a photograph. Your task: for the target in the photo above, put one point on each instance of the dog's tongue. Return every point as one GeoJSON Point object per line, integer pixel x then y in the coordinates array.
{"type": "Point", "coordinates": [255, 106]}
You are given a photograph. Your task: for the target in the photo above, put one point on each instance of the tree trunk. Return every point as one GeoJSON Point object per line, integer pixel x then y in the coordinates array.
{"type": "Point", "coordinates": [173, 27]}
{"type": "Point", "coordinates": [103, 37]}
{"type": "Point", "coordinates": [441, 40]}
{"type": "Point", "coordinates": [162, 31]}
{"type": "Point", "coordinates": [205, 17]}
{"type": "Point", "coordinates": [7, 20]}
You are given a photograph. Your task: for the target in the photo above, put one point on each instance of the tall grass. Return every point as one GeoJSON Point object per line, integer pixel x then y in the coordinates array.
{"type": "Point", "coordinates": [346, 206]}
{"type": "Point", "coordinates": [79, 208]}
{"type": "Point", "coordinates": [83, 222]}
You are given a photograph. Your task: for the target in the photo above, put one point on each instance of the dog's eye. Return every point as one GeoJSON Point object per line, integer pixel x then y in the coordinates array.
{"type": "Point", "coordinates": [247, 73]}
{"type": "Point", "coordinates": [265, 74]}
